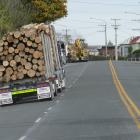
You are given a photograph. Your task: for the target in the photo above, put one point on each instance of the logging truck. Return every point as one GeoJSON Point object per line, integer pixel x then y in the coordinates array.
{"type": "Point", "coordinates": [30, 65]}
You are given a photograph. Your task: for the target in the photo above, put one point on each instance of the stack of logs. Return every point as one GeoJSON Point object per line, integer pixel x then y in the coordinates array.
{"type": "Point", "coordinates": [21, 54]}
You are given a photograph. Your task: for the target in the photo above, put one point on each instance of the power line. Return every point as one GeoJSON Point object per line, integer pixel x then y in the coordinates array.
{"type": "Point", "coordinates": [116, 37]}
{"type": "Point", "coordinates": [105, 4]}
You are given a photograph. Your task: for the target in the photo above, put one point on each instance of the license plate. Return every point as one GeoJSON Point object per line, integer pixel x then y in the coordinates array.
{"type": "Point", "coordinates": [6, 98]}
{"type": "Point", "coordinates": [43, 92]}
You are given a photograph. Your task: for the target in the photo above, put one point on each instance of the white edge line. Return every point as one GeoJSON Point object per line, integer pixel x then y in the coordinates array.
{"type": "Point", "coordinates": [50, 108]}
{"type": "Point", "coordinates": [38, 120]}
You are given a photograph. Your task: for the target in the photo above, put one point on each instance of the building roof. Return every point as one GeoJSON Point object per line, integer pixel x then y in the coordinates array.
{"type": "Point", "coordinates": [135, 40]}
{"type": "Point", "coordinates": [131, 40]}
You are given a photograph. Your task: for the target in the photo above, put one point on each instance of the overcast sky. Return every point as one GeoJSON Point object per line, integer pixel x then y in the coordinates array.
{"type": "Point", "coordinates": [81, 13]}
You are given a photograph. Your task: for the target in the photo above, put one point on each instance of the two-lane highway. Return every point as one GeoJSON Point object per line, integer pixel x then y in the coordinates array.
{"type": "Point", "coordinates": [89, 109]}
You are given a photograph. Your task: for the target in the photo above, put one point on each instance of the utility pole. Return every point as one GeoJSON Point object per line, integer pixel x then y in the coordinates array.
{"type": "Point", "coordinates": [116, 38]}
{"type": "Point", "coordinates": [66, 35]}
{"type": "Point", "coordinates": [105, 31]}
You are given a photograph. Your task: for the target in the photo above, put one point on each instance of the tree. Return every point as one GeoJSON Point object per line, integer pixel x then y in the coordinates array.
{"type": "Point", "coordinates": [15, 13]}
{"type": "Point", "coordinates": [48, 10]}
{"type": "Point", "coordinates": [5, 23]}
{"type": "Point", "coordinates": [130, 49]}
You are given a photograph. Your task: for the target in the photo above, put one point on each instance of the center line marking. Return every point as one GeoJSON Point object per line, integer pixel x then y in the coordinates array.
{"type": "Point", "coordinates": [38, 120]}
{"type": "Point", "coordinates": [22, 138]}
{"type": "Point", "coordinates": [128, 102]}
{"type": "Point", "coordinates": [62, 95]}
{"type": "Point", "coordinates": [50, 108]}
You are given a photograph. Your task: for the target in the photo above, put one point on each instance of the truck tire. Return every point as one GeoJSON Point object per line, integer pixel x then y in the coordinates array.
{"type": "Point", "coordinates": [56, 91]}
{"type": "Point", "coordinates": [60, 90]}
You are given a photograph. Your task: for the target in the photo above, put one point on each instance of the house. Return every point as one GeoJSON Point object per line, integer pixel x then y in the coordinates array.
{"type": "Point", "coordinates": [133, 42]}
{"type": "Point", "coordinates": [110, 51]}
{"type": "Point", "coordinates": [93, 50]}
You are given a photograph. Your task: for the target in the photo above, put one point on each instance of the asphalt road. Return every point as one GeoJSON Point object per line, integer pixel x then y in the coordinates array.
{"type": "Point", "coordinates": [89, 109]}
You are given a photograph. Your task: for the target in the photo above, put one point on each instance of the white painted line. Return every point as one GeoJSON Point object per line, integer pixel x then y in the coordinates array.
{"type": "Point", "coordinates": [38, 120]}
{"type": "Point", "coordinates": [58, 101]}
{"type": "Point", "coordinates": [62, 95]}
{"type": "Point", "coordinates": [45, 112]}
{"type": "Point", "coordinates": [50, 108]}
{"type": "Point", "coordinates": [22, 138]}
